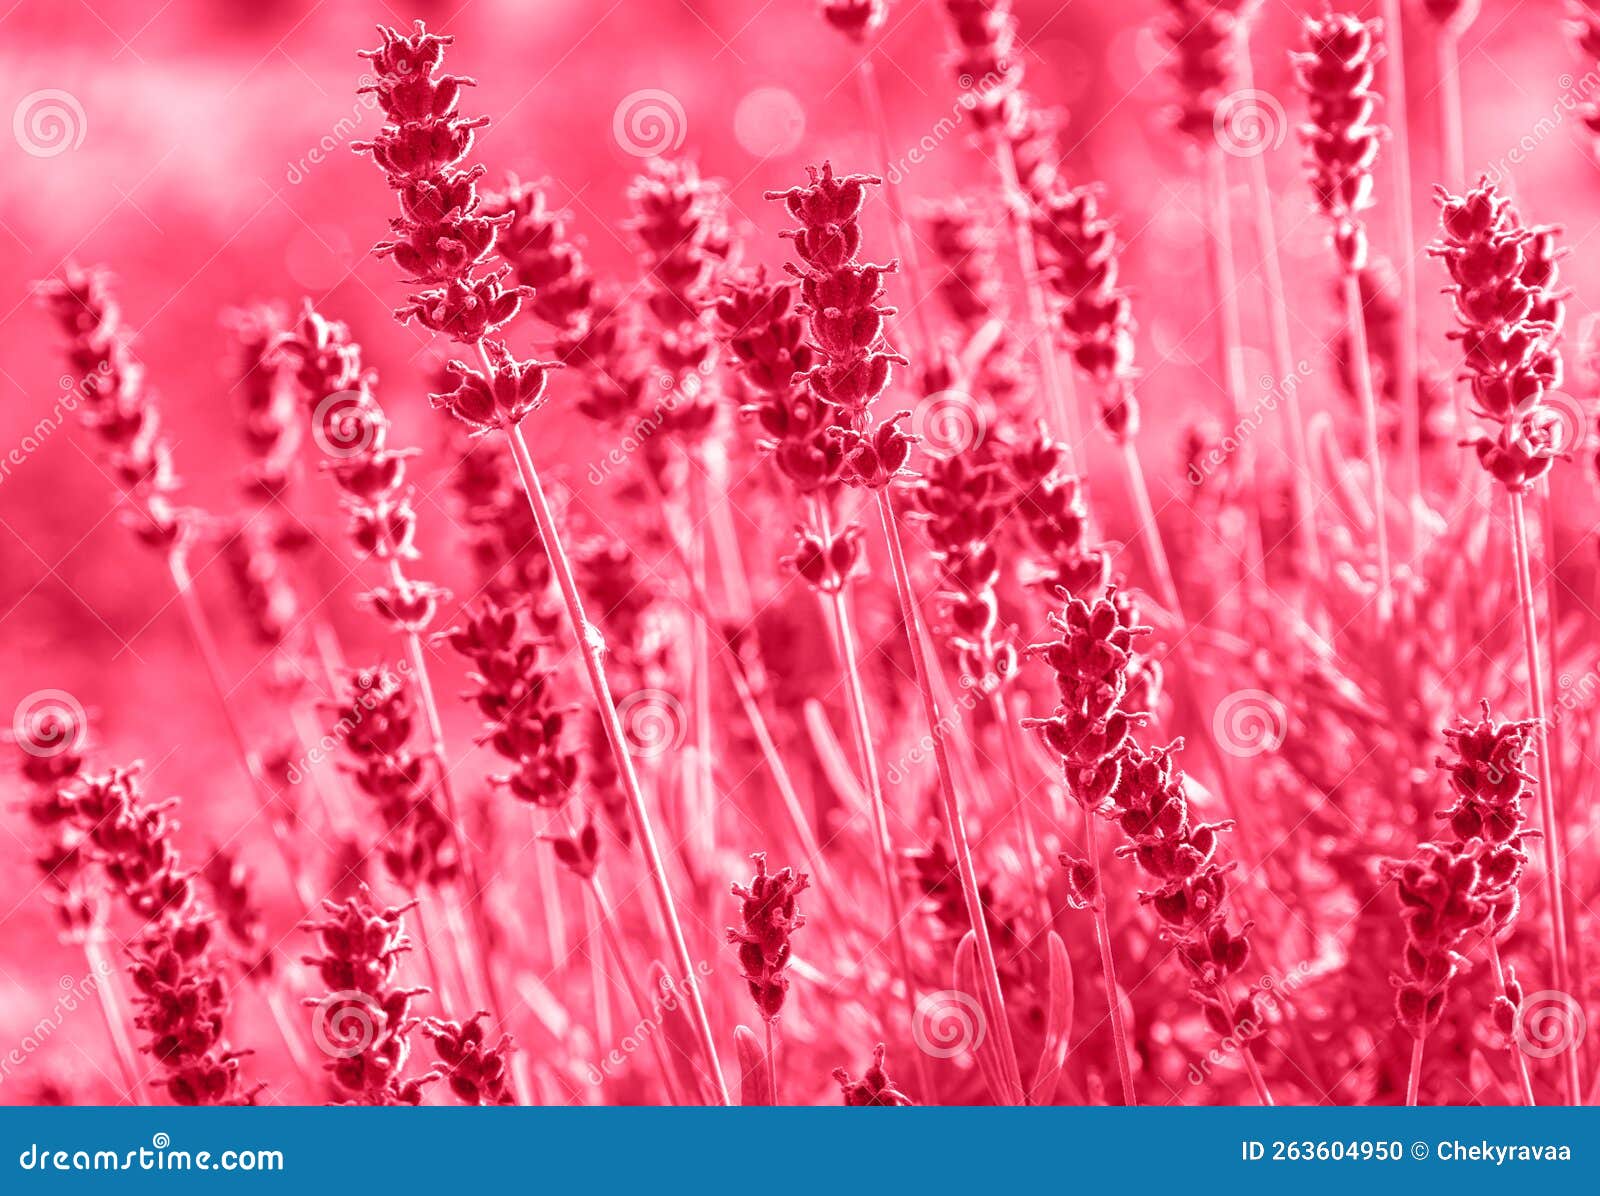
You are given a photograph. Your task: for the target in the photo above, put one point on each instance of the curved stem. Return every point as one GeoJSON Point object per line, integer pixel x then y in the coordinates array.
{"type": "Point", "coordinates": [1517, 1057]}
{"type": "Point", "coordinates": [867, 752]}
{"type": "Point", "coordinates": [1278, 326]}
{"type": "Point", "coordinates": [1229, 346]}
{"type": "Point", "coordinates": [1414, 1080]}
{"type": "Point", "coordinates": [108, 993]}
{"type": "Point", "coordinates": [1059, 391]}
{"type": "Point", "coordinates": [613, 942]}
{"type": "Point", "coordinates": [1355, 314]}
{"type": "Point", "coordinates": [205, 642]}
{"type": "Point", "coordinates": [1407, 390]}
{"type": "Point", "coordinates": [1108, 964]}
{"type": "Point", "coordinates": [1154, 547]}
{"type": "Point", "coordinates": [901, 236]}
{"type": "Point", "coordinates": [1554, 893]}
{"type": "Point", "coordinates": [955, 822]}
{"type": "Point", "coordinates": [591, 646]}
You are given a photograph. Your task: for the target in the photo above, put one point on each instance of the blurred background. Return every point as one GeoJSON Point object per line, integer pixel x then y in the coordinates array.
{"type": "Point", "coordinates": [201, 152]}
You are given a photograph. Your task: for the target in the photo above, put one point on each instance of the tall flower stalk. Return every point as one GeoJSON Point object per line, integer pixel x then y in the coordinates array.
{"type": "Point", "coordinates": [1336, 72]}
{"type": "Point", "coordinates": [442, 241]}
{"type": "Point", "coordinates": [124, 416]}
{"type": "Point", "coordinates": [842, 299]}
{"type": "Point", "coordinates": [1502, 279]}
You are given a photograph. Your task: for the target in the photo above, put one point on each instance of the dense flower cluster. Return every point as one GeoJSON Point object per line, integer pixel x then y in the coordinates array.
{"type": "Point", "coordinates": [1453, 889]}
{"type": "Point", "coordinates": [1342, 141]}
{"type": "Point", "coordinates": [272, 432]}
{"type": "Point", "coordinates": [842, 300]}
{"type": "Point", "coordinates": [182, 997]}
{"type": "Point", "coordinates": [969, 285]}
{"type": "Point", "coordinates": [1049, 503]}
{"type": "Point", "coordinates": [547, 262]}
{"type": "Point", "coordinates": [417, 845]}
{"type": "Point", "coordinates": [1079, 250]}
{"type": "Point", "coordinates": [988, 64]}
{"type": "Point", "coordinates": [510, 564]}
{"type": "Point", "coordinates": [764, 334]}
{"type": "Point", "coordinates": [1143, 792]}
{"type": "Point", "coordinates": [961, 501]}
{"type": "Point", "coordinates": [874, 1088]}
{"type": "Point", "coordinates": [351, 427]}
{"type": "Point", "coordinates": [366, 1017]}
{"type": "Point", "coordinates": [476, 1072]}
{"type": "Point", "coordinates": [1503, 278]}
{"type": "Point", "coordinates": [516, 694]}
{"type": "Point", "coordinates": [682, 234]}
{"type": "Point", "coordinates": [113, 401]}
{"type": "Point", "coordinates": [443, 236]}
{"type": "Point", "coordinates": [768, 921]}
{"type": "Point", "coordinates": [1204, 36]}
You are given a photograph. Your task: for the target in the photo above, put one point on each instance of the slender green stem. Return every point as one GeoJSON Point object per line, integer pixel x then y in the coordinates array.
{"type": "Point", "coordinates": [867, 752]}
{"type": "Point", "coordinates": [108, 992]}
{"type": "Point", "coordinates": [772, 1060]}
{"type": "Point", "coordinates": [955, 822]}
{"type": "Point", "coordinates": [1108, 963]}
{"type": "Point", "coordinates": [1414, 1080]}
{"type": "Point", "coordinates": [1519, 1060]}
{"type": "Point", "coordinates": [1154, 547]}
{"type": "Point", "coordinates": [1278, 326]}
{"type": "Point", "coordinates": [591, 646]}
{"type": "Point", "coordinates": [1447, 45]}
{"type": "Point", "coordinates": [1355, 314]}
{"type": "Point", "coordinates": [700, 606]}
{"type": "Point", "coordinates": [205, 642]}
{"type": "Point", "coordinates": [641, 1007]}
{"type": "Point", "coordinates": [1399, 156]}
{"type": "Point", "coordinates": [1554, 892]}
{"type": "Point", "coordinates": [1230, 344]}
{"type": "Point", "coordinates": [1061, 403]}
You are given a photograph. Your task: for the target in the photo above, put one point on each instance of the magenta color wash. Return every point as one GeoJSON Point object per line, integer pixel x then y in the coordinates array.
{"type": "Point", "coordinates": [875, 552]}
